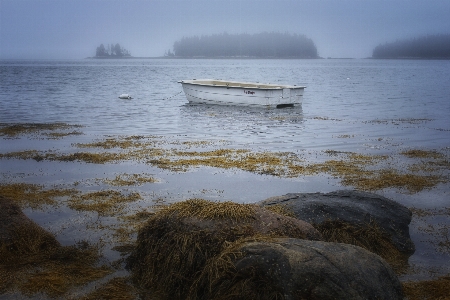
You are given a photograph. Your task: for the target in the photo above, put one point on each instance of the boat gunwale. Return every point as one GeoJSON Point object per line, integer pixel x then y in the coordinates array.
{"type": "Point", "coordinates": [239, 85]}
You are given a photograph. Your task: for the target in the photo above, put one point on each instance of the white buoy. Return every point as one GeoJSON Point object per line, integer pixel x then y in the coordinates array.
{"type": "Point", "coordinates": [125, 96]}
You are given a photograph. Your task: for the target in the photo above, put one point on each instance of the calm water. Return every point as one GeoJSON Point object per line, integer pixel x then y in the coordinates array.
{"type": "Point", "coordinates": [351, 94]}
{"type": "Point", "coordinates": [379, 106]}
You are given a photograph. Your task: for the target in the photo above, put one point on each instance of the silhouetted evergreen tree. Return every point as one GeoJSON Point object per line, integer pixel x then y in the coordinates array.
{"type": "Point", "coordinates": [430, 46]}
{"type": "Point", "coordinates": [257, 45]}
{"type": "Point", "coordinates": [101, 51]}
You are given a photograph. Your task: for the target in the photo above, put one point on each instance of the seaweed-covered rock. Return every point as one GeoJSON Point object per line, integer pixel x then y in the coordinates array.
{"type": "Point", "coordinates": [354, 209]}
{"type": "Point", "coordinates": [34, 264]}
{"type": "Point", "coordinates": [177, 242]}
{"type": "Point", "coordinates": [298, 269]}
{"type": "Point", "coordinates": [19, 233]}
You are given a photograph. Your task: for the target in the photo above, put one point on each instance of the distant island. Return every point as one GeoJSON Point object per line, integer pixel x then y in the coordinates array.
{"type": "Point", "coordinates": [261, 45]}
{"type": "Point", "coordinates": [425, 47]}
{"type": "Point", "coordinates": [111, 51]}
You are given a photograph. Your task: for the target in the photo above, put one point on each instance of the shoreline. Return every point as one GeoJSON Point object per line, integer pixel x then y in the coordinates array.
{"type": "Point", "coordinates": [102, 188]}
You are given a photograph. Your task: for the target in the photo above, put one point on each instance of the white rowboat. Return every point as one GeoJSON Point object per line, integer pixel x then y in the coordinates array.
{"type": "Point", "coordinates": [211, 91]}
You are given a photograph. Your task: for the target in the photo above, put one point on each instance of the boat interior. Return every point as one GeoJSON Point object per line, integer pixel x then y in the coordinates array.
{"type": "Point", "coordinates": [224, 83]}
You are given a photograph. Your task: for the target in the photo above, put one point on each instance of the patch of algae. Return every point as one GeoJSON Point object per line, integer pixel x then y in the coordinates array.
{"type": "Point", "coordinates": [422, 213]}
{"type": "Point", "coordinates": [96, 158]}
{"type": "Point", "coordinates": [59, 135]}
{"type": "Point", "coordinates": [209, 210]}
{"type": "Point", "coordinates": [438, 233]}
{"type": "Point", "coordinates": [360, 171]}
{"type": "Point", "coordinates": [32, 264]}
{"type": "Point", "coordinates": [120, 142]}
{"type": "Point", "coordinates": [417, 153]}
{"type": "Point", "coordinates": [364, 173]}
{"type": "Point", "coordinates": [423, 169]}
{"type": "Point", "coordinates": [368, 236]}
{"type": "Point", "coordinates": [130, 179]}
{"type": "Point", "coordinates": [429, 161]}
{"type": "Point", "coordinates": [14, 130]}
{"type": "Point", "coordinates": [88, 157]}
{"type": "Point", "coordinates": [261, 163]}
{"type": "Point", "coordinates": [282, 210]}
{"type": "Point", "coordinates": [431, 289]}
{"type": "Point", "coordinates": [105, 203]}
{"type": "Point", "coordinates": [116, 288]}
{"type": "Point", "coordinates": [33, 195]}
{"type": "Point", "coordinates": [125, 234]}
{"type": "Point", "coordinates": [26, 154]}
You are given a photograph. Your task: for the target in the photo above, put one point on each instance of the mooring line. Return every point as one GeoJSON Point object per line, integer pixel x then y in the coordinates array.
{"type": "Point", "coordinates": [172, 96]}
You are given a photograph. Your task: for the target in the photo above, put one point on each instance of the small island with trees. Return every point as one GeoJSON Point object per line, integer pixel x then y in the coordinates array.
{"type": "Point", "coordinates": [283, 45]}
{"type": "Point", "coordinates": [111, 51]}
{"type": "Point", "coordinates": [261, 45]}
{"type": "Point", "coordinates": [425, 47]}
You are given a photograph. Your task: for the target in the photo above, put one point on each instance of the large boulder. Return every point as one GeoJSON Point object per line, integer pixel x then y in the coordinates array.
{"type": "Point", "coordinates": [176, 243]}
{"type": "Point", "coordinates": [287, 268]}
{"type": "Point", "coordinates": [351, 209]}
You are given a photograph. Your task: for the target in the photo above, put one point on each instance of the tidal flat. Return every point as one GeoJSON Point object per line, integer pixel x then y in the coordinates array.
{"type": "Point", "coordinates": [97, 191]}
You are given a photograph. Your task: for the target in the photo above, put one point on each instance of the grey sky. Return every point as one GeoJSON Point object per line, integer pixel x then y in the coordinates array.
{"type": "Point", "coordinates": [339, 28]}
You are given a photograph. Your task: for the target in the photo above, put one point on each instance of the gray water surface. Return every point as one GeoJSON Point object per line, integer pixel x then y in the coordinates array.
{"type": "Point", "coordinates": [363, 105]}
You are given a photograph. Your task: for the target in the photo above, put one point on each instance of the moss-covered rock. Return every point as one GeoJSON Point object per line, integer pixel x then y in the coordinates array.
{"type": "Point", "coordinates": [368, 220]}
{"type": "Point", "coordinates": [33, 262]}
{"type": "Point", "coordinates": [177, 243]}
{"type": "Point", "coordinates": [20, 234]}
{"type": "Point", "coordinates": [287, 268]}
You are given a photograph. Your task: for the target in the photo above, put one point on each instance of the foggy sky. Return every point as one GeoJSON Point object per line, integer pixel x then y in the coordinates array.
{"type": "Point", "coordinates": [339, 28]}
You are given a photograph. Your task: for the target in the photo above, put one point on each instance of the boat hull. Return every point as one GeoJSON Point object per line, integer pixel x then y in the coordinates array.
{"type": "Point", "coordinates": [207, 91]}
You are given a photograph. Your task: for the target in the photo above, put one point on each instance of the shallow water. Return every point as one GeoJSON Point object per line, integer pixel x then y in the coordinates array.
{"type": "Point", "coordinates": [350, 94]}
{"type": "Point", "coordinates": [363, 106]}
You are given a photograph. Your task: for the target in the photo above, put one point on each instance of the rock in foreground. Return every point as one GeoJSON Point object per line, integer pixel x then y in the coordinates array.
{"type": "Point", "coordinates": [299, 269]}
{"type": "Point", "coordinates": [176, 243]}
{"type": "Point", "coordinates": [34, 264]}
{"type": "Point", "coordinates": [199, 249]}
{"type": "Point", "coordinates": [353, 208]}
{"type": "Point", "coordinates": [19, 234]}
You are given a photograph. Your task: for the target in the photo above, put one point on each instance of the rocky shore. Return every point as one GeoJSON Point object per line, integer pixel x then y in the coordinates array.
{"type": "Point", "coordinates": [33, 262]}
{"type": "Point", "coordinates": [339, 245]}
{"type": "Point", "coordinates": [277, 249]}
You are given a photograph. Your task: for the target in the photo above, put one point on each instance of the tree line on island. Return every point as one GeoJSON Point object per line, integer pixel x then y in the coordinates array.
{"type": "Point", "coordinates": [278, 45]}
{"type": "Point", "coordinates": [266, 44]}
{"type": "Point", "coordinates": [111, 51]}
{"type": "Point", "coordinates": [427, 47]}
